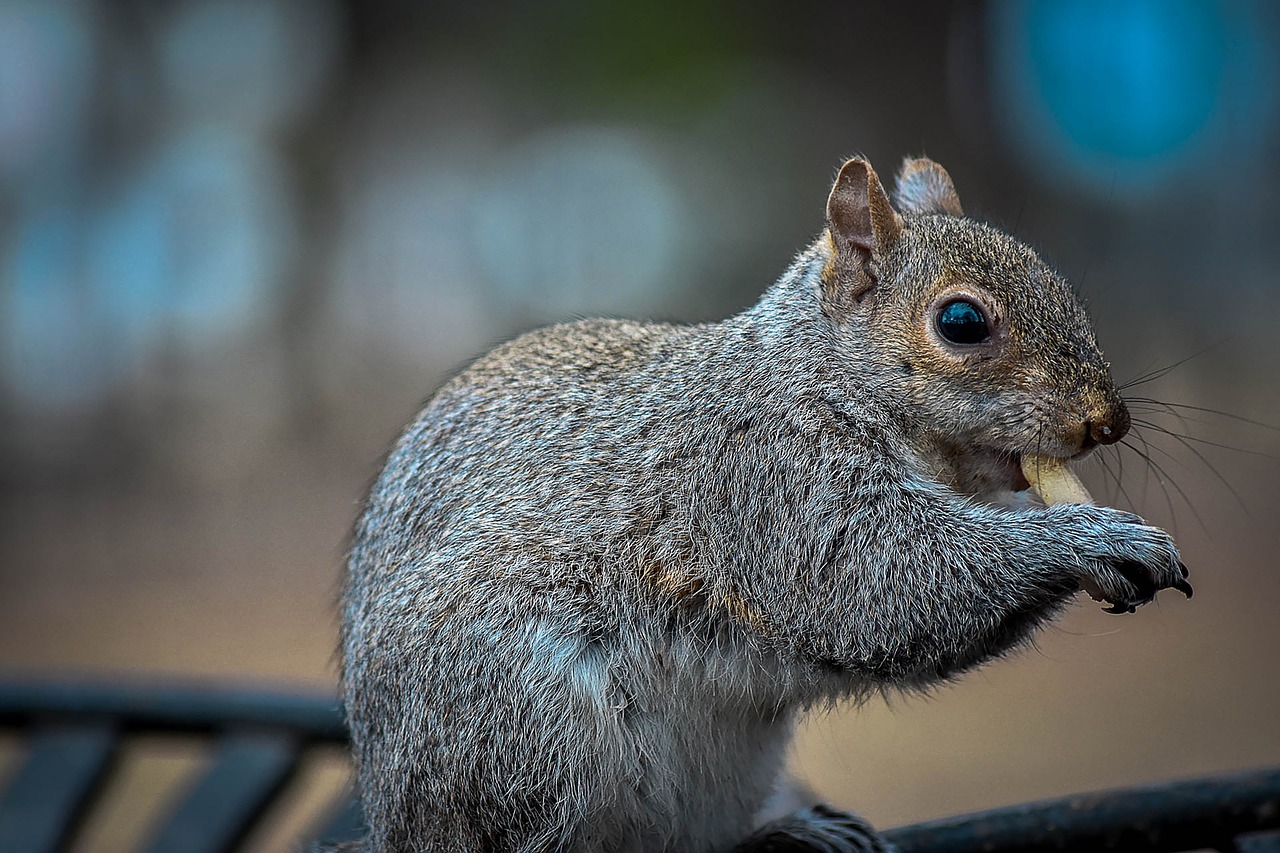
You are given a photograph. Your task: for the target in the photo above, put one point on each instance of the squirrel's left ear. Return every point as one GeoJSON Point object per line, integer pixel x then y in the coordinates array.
{"type": "Point", "coordinates": [863, 225]}
{"type": "Point", "coordinates": [924, 187]}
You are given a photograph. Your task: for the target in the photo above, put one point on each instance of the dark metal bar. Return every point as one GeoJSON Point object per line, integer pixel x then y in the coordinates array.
{"type": "Point", "coordinates": [47, 798]}
{"type": "Point", "coordinates": [181, 710]}
{"type": "Point", "coordinates": [222, 806]}
{"type": "Point", "coordinates": [345, 822]}
{"type": "Point", "coordinates": [1162, 818]}
{"type": "Point", "coordinates": [1259, 842]}
{"type": "Point", "coordinates": [78, 725]}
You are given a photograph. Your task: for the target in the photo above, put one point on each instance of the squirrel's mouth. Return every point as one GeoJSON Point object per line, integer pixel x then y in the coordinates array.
{"type": "Point", "coordinates": [987, 474]}
{"type": "Point", "coordinates": [1016, 471]}
{"type": "Point", "coordinates": [1010, 478]}
{"type": "Point", "coordinates": [1005, 469]}
{"type": "Point", "coordinates": [1018, 481]}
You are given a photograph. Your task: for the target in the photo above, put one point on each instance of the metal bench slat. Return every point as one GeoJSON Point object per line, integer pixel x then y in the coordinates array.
{"type": "Point", "coordinates": [1259, 842]}
{"type": "Point", "coordinates": [345, 821]}
{"type": "Point", "coordinates": [1191, 814]}
{"type": "Point", "coordinates": [53, 787]}
{"type": "Point", "coordinates": [172, 709]}
{"type": "Point", "coordinates": [223, 804]}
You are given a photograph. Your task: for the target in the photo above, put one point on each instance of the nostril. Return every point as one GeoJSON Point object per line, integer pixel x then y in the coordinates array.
{"type": "Point", "coordinates": [1090, 439]}
{"type": "Point", "coordinates": [1104, 433]}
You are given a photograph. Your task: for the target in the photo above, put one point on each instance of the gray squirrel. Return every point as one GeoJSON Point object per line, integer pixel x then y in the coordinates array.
{"type": "Point", "coordinates": [610, 563]}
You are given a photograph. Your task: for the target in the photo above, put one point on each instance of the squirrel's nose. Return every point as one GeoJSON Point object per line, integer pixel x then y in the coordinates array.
{"type": "Point", "coordinates": [1107, 426]}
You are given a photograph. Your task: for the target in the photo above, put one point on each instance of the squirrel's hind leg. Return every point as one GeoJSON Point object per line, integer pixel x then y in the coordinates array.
{"type": "Point", "coordinates": [818, 829]}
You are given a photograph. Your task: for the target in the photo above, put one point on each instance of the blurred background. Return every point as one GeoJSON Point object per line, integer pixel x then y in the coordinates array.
{"type": "Point", "coordinates": [241, 242]}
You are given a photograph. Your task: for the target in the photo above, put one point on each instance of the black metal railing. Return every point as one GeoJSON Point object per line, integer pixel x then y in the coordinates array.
{"type": "Point", "coordinates": [1231, 813]}
{"type": "Point", "coordinates": [72, 733]}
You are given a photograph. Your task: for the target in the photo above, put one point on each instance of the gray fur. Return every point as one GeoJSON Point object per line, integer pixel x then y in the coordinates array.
{"type": "Point", "coordinates": [610, 563]}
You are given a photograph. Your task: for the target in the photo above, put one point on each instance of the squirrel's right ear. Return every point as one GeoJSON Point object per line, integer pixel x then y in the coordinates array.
{"type": "Point", "coordinates": [924, 187]}
{"type": "Point", "coordinates": [863, 225]}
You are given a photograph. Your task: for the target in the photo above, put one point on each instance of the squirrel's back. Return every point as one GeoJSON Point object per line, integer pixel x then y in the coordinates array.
{"type": "Point", "coordinates": [582, 404]}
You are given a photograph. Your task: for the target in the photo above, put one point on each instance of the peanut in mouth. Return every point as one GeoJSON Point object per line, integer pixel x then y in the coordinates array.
{"type": "Point", "coordinates": [1054, 481]}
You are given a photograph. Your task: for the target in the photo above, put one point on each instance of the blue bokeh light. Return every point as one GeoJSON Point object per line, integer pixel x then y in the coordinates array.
{"type": "Point", "coordinates": [1134, 80]}
{"type": "Point", "coordinates": [1126, 91]}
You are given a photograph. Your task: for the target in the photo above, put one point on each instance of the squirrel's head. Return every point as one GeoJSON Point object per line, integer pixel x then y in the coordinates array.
{"type": "Point", "coordinates": [966, 327]}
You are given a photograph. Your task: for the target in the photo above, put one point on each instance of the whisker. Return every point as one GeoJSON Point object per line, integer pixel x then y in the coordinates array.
{"type": "Point", "coordinates": [1198, 440]}
{"type": "Point", "coordinates": [1183, 440]}
{"type": "Point", "coordinates": [1120, 475]}
{"type": "Point", "coordinates": [1039, 440]}
{"type": "Point", "coordinates": [1162, 474]}
{"type": "Point", "coordinates": [1221, 446]}
{"type": "Point", "coordinates": [1169, 407]}
{"type": "Point", "coordinates": [1157, 448]}
{"type": "Point", "coordinates": [1116, 475]}
{"type": "Point", "coordinates": [1111, 498]}
{"type": "Point", "coordinates": [1160, 373]}
{"type": "Point", "coordinates": [1152, 469]}
{"type": "Point", "coordinates": [1142, 404]}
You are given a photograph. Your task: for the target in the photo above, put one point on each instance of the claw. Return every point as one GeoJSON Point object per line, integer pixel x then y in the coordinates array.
{"type": "Point", "coordinates": [1184, 571]}
{"type": "Point", "coordinates": [1117, 607]}
{"type": "Point", "coordinates": [1137, 574]}
{"type": "Point", "coordinates": [1183, 587]}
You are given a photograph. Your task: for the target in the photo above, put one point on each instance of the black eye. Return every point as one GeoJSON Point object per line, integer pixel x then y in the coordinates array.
{"type": "Point", "coordinates": [962, 322]}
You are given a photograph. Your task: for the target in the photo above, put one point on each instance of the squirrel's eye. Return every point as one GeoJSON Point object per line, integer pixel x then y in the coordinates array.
{"type": "Point", "coordinates": [962, 322]}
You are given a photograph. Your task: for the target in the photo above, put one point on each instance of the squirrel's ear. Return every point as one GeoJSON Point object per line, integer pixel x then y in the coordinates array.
{"type": "Point", "coordinates": [924, 187]}
{"type": "Point", "coordinates": [863, 225]}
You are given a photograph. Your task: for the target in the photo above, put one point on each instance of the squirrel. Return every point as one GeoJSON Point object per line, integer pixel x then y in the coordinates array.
{"type": "Point", "coordinates": [610, 563]}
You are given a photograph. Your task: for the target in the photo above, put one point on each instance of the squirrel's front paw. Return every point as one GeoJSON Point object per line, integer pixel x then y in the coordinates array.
{"type": "Point", "coordinates": [1128, 561]}
{"type": "Point", "coordinates": [1140, 578]}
